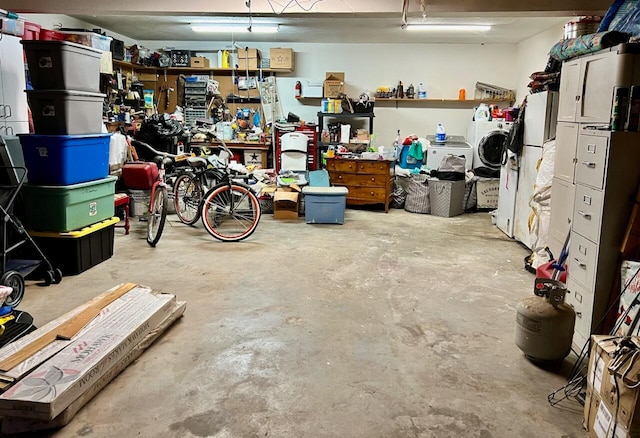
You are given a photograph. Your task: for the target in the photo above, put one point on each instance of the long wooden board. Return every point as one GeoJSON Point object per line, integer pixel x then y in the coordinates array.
{"type": "Point", "coordinates": [67, 330]}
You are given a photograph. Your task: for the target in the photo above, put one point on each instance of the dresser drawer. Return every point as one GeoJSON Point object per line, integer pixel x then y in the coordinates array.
{"type": "Point", "coordinates": [341, 166]}
{"type": "Point", "coordinates": [582, 302]}
{"type": "Point", "coordinates": [582, 261]}
{"type": "Point", "coordinates": [358, 180]}
{"type": "Point", "coordinates": [592, 158]}
{"type": "Point", "coordinates": [375, 167]}
{"type": "Point", "coordinates": [587, 212]}
{"type": "Point", "coordinates": [364, 193]}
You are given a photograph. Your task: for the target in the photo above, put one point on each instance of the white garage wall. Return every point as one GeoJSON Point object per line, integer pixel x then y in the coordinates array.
{"type": "Point", "coordinates": [532, 55]}
{"type": "Point", "coordinates": [442, 68]}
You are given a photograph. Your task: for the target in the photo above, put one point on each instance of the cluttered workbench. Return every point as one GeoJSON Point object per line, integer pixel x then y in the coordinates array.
{"type": "Point", "coordinates": [252, 152]}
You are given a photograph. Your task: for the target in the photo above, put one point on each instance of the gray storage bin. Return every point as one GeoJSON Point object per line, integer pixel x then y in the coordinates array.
{"type": "Point", "coordinates": [61, 65]}
{"type": "Point", "coordinates": [60, 112]}
{"type": "Point", "coordinates": [446, 197]}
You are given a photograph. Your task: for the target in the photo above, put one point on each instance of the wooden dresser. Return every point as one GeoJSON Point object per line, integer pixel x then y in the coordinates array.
{"type": "Point", "coordinates": [368, 181]}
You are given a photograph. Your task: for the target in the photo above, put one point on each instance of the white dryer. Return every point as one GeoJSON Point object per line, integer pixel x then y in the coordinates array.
{"type": "Point", "coordinates": [487, 139]}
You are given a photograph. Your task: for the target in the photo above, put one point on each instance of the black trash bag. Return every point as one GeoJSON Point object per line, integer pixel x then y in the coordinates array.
{"type": "Point", "coordinates": [161, 132]}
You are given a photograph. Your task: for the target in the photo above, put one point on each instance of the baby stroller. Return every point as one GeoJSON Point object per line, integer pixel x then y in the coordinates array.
{"type": "Point", "coordinates": [14, 236]}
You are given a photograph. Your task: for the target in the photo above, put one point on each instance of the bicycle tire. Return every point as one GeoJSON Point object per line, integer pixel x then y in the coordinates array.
{"type": "Point", "coordinates": [226, 223]}
{"type": "Point", "coordinates": [187, 197]}
{"type": "Point", "coordinates": [157, 215]}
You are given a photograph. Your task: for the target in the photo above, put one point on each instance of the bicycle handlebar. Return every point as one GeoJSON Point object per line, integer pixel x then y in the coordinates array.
{"type": "Point", "coordinates": [150, 148]}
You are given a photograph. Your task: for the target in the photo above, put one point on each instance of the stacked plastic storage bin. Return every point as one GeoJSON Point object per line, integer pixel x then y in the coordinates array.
{"type": "Point", "coordinates": [69, 201]}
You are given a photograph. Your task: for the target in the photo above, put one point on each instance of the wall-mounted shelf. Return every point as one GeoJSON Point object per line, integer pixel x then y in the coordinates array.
{"type": "Point", "coordinates": [214, 71]}
{"type": "Point", "coordinates": [452, 103]}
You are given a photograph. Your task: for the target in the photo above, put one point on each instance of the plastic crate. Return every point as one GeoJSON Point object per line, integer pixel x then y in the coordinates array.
{"type": "Point", "coordinates": [65, 159]}
{"type": "Point", "coordinates": [324, 205]}
{"type": "Point", "coordinates": [76, 251]}
{"type": "Point", "coordinates": [68, 208]}
{"type": "Point", "coordinates": [63, 112]}
{"type": "Point", "coordinates": [180, 58]}
{"type": "Point", "coordinates": [61, 65]}
{"type": "Point", "coordinates": [89, 39]}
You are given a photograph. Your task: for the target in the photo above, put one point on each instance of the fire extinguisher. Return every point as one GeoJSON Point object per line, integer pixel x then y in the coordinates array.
{"type": "Point", "coordinates": [298, 89]}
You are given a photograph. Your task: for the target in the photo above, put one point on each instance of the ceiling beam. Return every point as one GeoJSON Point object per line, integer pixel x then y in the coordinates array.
{"type": "Point", "coordinates": [538, 8]}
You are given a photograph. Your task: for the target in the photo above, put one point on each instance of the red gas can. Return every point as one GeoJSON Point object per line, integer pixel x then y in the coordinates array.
{"type": "Point", "coordinates": [546, 271]}
{"type": "Point", "coordinates": [139, 176]}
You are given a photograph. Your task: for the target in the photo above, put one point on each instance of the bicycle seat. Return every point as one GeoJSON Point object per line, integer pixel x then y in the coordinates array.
{"type": "Point", "coordinates": [197, 162]}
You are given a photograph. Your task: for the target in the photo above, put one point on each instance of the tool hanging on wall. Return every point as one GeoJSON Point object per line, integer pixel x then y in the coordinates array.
{"type": "Point", "coordinates": [168, 90]}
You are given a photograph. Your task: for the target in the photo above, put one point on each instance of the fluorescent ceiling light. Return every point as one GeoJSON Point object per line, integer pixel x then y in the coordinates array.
{"type": "Point", "coordinates": [234, 28]}
{"type": "Point", "coordinates": [448, 27]}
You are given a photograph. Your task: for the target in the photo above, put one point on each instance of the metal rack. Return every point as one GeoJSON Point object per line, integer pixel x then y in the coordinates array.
{"type": "Point", "coordinates": [493, 92]}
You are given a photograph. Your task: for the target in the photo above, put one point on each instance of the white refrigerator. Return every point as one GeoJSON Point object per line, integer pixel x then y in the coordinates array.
{"type": "Point", "coordinates": [540, 118]}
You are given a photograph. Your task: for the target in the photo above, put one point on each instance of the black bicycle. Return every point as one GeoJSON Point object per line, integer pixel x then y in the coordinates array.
{"type": "Point", "coordinates": [229, 208]}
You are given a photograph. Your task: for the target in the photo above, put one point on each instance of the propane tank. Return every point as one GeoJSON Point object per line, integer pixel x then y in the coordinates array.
{"type": "Point", "coordinates": [544, 322]}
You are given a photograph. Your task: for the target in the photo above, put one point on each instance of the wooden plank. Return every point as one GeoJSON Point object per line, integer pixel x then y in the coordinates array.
{"type": "Point", "coordinates": [66, 330]}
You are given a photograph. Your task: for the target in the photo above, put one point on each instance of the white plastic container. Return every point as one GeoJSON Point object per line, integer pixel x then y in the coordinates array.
{"type": "Point", "coordinates": [482, 113]}
{"type": "Point", "coordinates": [441, 134]}
{"type": "Point", "coordinates": [422, 92]}
{"type": "Point", "coordinates": [64, 112]}
{"type": "Point", "coordinates": [61, 65]}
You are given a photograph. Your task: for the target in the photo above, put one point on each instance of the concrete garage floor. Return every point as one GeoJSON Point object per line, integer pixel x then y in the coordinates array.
{"type": "Point", "coordinates": [392, 325]}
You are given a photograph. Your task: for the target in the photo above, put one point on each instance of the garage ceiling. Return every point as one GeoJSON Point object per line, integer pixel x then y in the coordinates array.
{"type": "Point", "coordinates": [345, 21]}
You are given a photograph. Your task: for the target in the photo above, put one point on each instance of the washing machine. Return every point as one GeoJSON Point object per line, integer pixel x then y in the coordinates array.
{"type": "Point", "coordinates": [487, 140]}
{"type": "Point", "coordinates": [454, 145]}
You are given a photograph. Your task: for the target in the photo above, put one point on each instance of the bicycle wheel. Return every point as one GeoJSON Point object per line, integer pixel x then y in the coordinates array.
{"type": "Point", "coordinates": [157, 215]}
{"type": "Point", "coordinates": [230, 213]}
{"type": "Point", "coordinates": [188, 194]}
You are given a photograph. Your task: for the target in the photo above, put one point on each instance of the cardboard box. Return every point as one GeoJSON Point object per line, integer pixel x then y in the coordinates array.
{"type": "Point", "coordinates": [253, 158]}
{"type": "Point", "coordinates": [611, 387]}
{"type": "Point", "coordinates": [199, 62]}
{"type": "Point", "coordinates": [248, 53]}
{"type": "Point", "coordinates": [248, 59]}
{"type": "Point", "coordinates": [487, 191]}
{"type": "Point", "coordinates": [82, 363]}
{"type": "Point", "coordinates": [333, 84]}
{"type": "Point", "coordinates": [599, 421]}
{"type": "Point", "coordinates": [251, 63]}
{"type": "Point", "coordinates": [13, 425]}
{"type": "Point", "coordinates": [281, 58]}
{"type": "Point", "coordinates": [285, 204]}
{"type": "Point", "coordinates": [362, 134]}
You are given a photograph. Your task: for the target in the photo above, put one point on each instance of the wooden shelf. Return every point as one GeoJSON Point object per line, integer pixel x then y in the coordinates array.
{"type": "Point", "coordinates": [129, 65]}
{"type": "Point", "coordinates": [431, 100]}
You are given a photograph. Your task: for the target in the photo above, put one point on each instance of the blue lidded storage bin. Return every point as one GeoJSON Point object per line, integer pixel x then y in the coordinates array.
{"type": "Point", "coordinates": [65, 159]}
{"type": "Point", "coordinates": [404, 155]}
{"type": "Point", "coordinates": [324, 205]}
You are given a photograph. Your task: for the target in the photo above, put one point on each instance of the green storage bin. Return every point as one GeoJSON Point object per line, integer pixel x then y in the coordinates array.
{"type": "Point", "coordinates": [67, 208]}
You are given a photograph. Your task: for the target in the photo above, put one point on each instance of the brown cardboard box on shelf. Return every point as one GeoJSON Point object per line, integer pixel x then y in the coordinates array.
{"type": "Point", "coordinates": [248, 53]}
{"type": "Point", "coordinates": [281, 57]}
{"type": "Point", "coordinates": [333, 84]}
{"type": "Point", "coordinates": [199, 62]}
{"type": "Point", "coordinates": [285, 203]}
{"type": "Point", "coordinates": [362, 134]}
{"type": "Point", "coordinates": [248, 59]}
